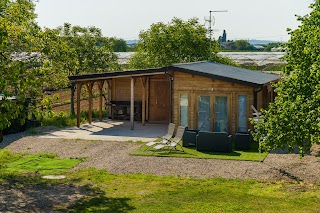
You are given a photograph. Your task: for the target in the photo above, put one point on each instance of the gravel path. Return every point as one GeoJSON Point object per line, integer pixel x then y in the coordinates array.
{"type": "Point", "coordinates": [114, 156]}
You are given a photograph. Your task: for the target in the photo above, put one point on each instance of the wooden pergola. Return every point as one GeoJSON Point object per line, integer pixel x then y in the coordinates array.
{"type": "Point", "coordinates": [102, 79]}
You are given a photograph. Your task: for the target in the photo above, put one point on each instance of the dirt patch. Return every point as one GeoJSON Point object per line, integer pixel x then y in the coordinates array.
{"type": "Point", "coordinates": [21, 197]}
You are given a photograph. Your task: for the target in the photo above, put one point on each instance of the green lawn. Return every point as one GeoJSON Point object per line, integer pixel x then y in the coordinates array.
{"type": "Point", "coordinates": [191, 152]}
{"type": "Point", "coordinates": [148, 193]}
{"type": "Point", "coordinates": [44, 164]}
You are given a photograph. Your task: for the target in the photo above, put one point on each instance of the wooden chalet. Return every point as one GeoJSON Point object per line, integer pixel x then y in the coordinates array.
{"type": "Point", "coordinates": [202, 95]}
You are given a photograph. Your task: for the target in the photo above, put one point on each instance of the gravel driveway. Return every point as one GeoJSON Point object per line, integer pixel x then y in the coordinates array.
{"type": "Point", "coordinates": [114, 157]}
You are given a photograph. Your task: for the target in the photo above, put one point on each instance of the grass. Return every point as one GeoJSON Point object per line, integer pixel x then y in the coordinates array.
{"type": "Point", "coordinates": [64, 119]}
{"type": "Point", "coordinates": [44, 164]}
{"type": "Point", "coordinates": [110, 192]}
{"type": "Point", "coordinates": [147, 193]}
{"type": "Point", "coordinates": [191, 152]}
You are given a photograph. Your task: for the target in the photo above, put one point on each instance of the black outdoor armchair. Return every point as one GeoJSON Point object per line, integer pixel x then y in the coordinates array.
{"type": "Point", "coordinates": [242, 141]}
{"type": "Point", "coordinates": [214, 142]}
{"type": "Point", "coordinates": [189, 137]}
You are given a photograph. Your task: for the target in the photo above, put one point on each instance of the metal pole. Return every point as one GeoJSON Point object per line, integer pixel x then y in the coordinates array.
{"type": "Point", "coordinates": [210, 26]}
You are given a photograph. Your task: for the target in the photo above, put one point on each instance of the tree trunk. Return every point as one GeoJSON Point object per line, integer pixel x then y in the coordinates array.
{"type": "Point", "coordinates": [73, 89]}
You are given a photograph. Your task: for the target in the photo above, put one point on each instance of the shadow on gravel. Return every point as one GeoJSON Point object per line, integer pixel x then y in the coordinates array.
{"type": "Point", "coordinates": [20, 193]}
{"type": "Point", "coordinates": [8, 139]}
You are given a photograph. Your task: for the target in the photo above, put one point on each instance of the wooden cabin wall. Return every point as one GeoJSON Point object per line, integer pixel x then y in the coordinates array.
{"type": "Point", "coordinates": [121, 89]}
{"type": "Point", "coordinates": [158, 95]}
{"type": "Point", "coordinates": [196, 85]}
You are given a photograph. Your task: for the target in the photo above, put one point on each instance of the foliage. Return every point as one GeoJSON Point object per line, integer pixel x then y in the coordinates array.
{"type": "Point", "coordinates": [176, 42]}
{"type": "Point", "coordinates": [223, 38]}
{"type": "Point", "coordinates": [20, 76]}
{"type": "Point", "coordinates": [62, 119]}
{"type": "Point", "coordinates": [93, 53]}
{"type": "Point", "coordinates": [294, 118]}
{"type": "Point", "coordinates": [118, 45]}
{"type": "Point", "coordinates": [243, 45]}
{"type": "Point", "coordinates": [269, 46]}
{"type": "Point", "coordinates": [191, 152]}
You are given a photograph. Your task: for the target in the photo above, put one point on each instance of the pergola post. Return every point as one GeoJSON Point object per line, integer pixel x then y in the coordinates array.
{"type": "Point", "coordinates": [100, 85]}
{"type": "Point", "coordinates": [132, 104]}
{"type": "Point", "coordinates": [79, 85]}
{"type": "Point", "coordinates": [89, 87]}
{"type": "Point", "coordinates": [109, 96]}
{"type": "Point", "coordinates": [143, 81]}
{"type": "Point", "coordinates": [147, 98]}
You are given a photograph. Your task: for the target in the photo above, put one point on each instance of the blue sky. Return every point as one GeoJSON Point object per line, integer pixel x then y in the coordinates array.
{"type": "Point", "coordinates": [245, 19]}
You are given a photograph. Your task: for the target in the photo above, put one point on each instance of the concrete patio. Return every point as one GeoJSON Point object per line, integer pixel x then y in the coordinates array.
{"type": "Point", "coordinates": [110, 130]}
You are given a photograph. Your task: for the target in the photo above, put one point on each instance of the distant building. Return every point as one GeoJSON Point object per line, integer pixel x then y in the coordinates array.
{"type": "Point", "coordinates": [258, 47]}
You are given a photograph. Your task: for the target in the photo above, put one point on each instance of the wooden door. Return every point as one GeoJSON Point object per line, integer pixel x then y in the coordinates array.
{"type": "Point", "coordinates": [159, 100]}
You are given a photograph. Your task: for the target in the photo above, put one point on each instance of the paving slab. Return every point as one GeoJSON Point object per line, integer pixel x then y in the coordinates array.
{"type": "Point", "coordinates": [110, 130]}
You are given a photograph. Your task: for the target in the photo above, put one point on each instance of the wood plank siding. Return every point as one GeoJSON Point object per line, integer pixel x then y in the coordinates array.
{"type": "Point", "coordinates": [157, 95]}
{"type": "Point", "coordinates": [196, 85]}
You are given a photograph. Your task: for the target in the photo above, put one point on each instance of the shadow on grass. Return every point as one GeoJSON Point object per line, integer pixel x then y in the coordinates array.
{"type": "Point", "coordinates": [191, 152]}
{"type": "Point", "coordinates": [102, 204]}
{"type": "Point", "coordinates": [31, 193]}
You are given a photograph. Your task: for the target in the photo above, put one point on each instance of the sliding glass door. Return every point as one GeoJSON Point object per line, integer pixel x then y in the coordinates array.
{"type": "Point", "coordinates": [242, 113]}
{"type": "Point", "coordinates": [184, 109]}
{"type": "Point", "coordinates": [204, 113]}
{"type": "Point", "coordinates": [213, 112]}
{"type": "Point", "coordinates": [221, 114]}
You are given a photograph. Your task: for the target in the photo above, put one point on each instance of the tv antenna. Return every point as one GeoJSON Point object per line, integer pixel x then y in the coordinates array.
{"type": "Point", "coordinates": [211, 22]}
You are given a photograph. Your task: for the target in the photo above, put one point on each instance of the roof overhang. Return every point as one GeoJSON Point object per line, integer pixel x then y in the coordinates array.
{"type": "Point", "coordinates": [123, 74]}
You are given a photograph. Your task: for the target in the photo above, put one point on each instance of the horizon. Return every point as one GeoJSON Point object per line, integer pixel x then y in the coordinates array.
{"type": "Point", "coordinates": [125, 19]}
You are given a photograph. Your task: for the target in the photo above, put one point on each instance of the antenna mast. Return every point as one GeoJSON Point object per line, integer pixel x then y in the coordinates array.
{"type": "Point", "coordinates": [211, 23]}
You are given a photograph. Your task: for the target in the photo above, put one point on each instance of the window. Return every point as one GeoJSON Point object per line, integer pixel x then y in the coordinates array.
{"type": "Point", "coordinates": [184, 109]}
{"type": "Point", "coordinates": [242, 113]}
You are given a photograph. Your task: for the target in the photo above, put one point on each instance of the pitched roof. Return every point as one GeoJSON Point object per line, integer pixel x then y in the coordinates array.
{"type": "Point", "coordinates": [226, 73]}
{"type": "Point", "coordinates": [206, 69]}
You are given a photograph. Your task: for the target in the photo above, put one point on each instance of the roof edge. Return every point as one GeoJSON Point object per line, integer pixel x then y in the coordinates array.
{"type": "Point", "coordinates": [116, 74]}
{"type": "Point", "coordinates": [217, 77]}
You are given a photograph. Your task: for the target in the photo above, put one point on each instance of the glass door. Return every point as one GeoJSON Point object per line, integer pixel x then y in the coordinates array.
{"type": "Point", "coordinates": [221, 118]}
{"type": "Point", "coordinates": [242, 113]}
{"type": "Point", "coordinates": [184, 109]}
{"type": "Point", "coordinates": [204, 113]}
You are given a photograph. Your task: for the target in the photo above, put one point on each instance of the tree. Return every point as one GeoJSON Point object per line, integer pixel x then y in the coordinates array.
{"type": "Point", "coordinates": [20, 72]}
{"type": "Point", "coordinates": [269, 46]}
{"type": "Point", "coordinates": [30, 58]}
{"type": "Point", "coordinates": [243, 45]}
{"type": "Point", "coordinates": [294, 118]}
{"type": "Point", "coordinates": [176, 42]}
{"type": "Point", "coordinates": [224, 36]}
{"type": "Point", "coordinates": [118, 44]}
{"type": "Point", "coordinates": [93, 52]}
